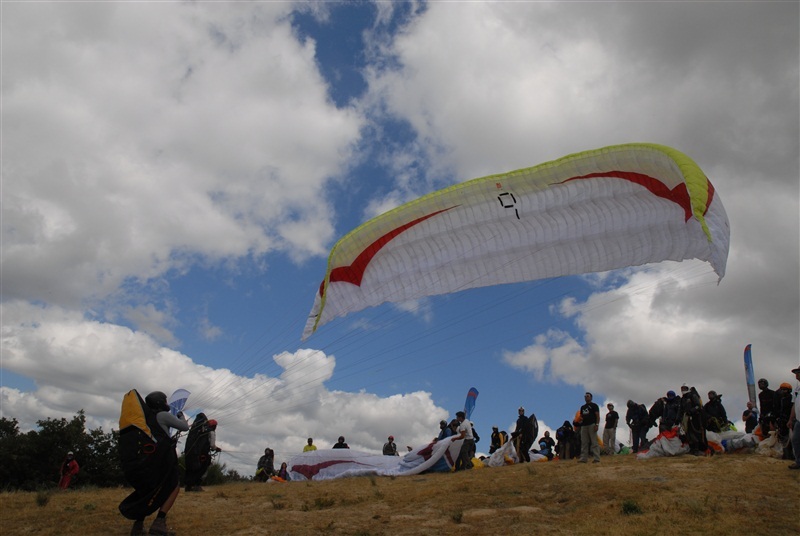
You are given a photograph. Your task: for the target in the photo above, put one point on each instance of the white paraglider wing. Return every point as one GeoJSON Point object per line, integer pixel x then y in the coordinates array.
{"type": "Point", "coordinates": [624, 205]}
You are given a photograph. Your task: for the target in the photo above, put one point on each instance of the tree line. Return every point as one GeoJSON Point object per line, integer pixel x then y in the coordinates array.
{"type": "Point", "coordinates": [32, 460]}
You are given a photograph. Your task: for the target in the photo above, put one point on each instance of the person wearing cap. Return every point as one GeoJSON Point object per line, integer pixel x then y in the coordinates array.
{"type": "Point", "coordinates": [200, 442]}
{"type": "Point", "coordinates": [464, 432]}
{"type": "Point", "coordinates": [69, 468]}
{"type": "Point", "coordinates": [716, 416]}
{"type": "Point", "coordinates": [794, 425]}
{"type": "Point", "coordinates": [523, 436]}
{"type": "Point", "coordinates": [389, 448]}
{"type": "Point", "coordinates": [341, 444]}
{"type": "Point", "coordinates": [499, 438]}
{"type": "Point", "coordinates": [590, 422]}
{"type": "Point", "coordinates": [610, 430]}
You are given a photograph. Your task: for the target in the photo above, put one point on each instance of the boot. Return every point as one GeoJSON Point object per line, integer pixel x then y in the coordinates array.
{"type": "Point", "coordinates": [159, 528]}
{"type": "Point", "coordinates": [138, 528]}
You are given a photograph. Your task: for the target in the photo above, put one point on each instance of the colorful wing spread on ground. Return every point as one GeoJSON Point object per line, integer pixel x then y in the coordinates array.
{"type": "Point", "coordinates": [625, 205]}
{"type": "Point", "coordinates": [327, 464]}
{"type": "Point", "coordinates": [750, 375]}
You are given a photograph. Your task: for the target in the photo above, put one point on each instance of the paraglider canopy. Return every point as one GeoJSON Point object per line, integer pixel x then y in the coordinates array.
{"type": "Point", "coordinates": [610, 208]}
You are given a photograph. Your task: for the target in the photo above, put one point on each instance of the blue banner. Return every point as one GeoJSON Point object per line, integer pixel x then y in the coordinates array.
{"type": "Point", "coordinates": [469, 405]}
{"type": "Point", "coordinates": [749, 375]}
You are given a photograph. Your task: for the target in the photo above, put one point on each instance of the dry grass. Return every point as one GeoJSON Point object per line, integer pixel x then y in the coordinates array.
{"type": "Point", "coordinates": [733, 494]}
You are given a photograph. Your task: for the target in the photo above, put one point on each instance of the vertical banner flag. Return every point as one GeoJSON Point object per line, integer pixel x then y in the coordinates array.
{"type": "Point", "coordinates": [749, 375]}
{"type": "Point", "coordinates": [469, 405]}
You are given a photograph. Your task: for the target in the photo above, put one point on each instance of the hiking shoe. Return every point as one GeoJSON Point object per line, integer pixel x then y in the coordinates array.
{"type": "Point", "coordinates": [159, 528]}
{"type": "Point", "coordinates": [138, 528]}
{"type": "Point", "coordinates": [794, 466]}
{"type": "Point", "coordinates": [595, 461]}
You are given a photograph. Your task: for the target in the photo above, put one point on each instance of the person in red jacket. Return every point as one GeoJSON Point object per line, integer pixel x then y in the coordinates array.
{"type": "Point", "coordinates": [69, 468]}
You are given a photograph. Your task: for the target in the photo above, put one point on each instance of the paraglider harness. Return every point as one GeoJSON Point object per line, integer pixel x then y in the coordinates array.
{"type": "Point", "coordinates": [693, 422]}
{"type": "Point", "coordinates": [197, 451]}
{"type": "Point", "coordinates": [266, 466]}
{"type": "Point", "coordinates": [147, 457]}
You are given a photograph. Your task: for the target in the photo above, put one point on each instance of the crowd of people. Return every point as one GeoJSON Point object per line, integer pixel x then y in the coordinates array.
{"type": "Point", "coordinates": [156, 485]}
{"type": "Point", "coordinates": [684, 414]}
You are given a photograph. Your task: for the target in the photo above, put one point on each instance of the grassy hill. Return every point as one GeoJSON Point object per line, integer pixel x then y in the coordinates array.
{"type": "Point", "coordinates": [729, 494]}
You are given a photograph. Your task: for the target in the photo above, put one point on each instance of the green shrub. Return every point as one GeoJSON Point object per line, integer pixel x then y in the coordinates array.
{"type": "Point", "coordinates": [42, 497]}
{"type": "Point", "coordinates": [630, 507]}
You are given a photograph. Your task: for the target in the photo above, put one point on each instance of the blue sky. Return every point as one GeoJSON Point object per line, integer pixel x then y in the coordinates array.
{"type": "Point", "coordinates": [175, 174]}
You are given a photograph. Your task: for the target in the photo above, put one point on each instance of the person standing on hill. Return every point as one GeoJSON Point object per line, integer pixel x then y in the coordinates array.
{"type": "Point", "coordinates": [523, 436]}
{"type": "Point", "coordinates": [464, 432]}
{"type": "Point", "coordinates": [69, 468]}
{"type": "Point", "coordinates": [590, 419]}
{"type": "Point", "coordinates": [670, 412]}
{"type": "Point", "coordinates": [610, 430]}
{"type": "Point", "coordinates": [200, 442]}
{"type": "Point", "coordinates": [783, 411]}
{"type": "Point", "coordinates": [716, 416]}
{"type": "Point", "coordinates": [794, 425]}
{"type": "Point", "coordinates": [639, 422]}
{"type": "Point", "coordinates": [390, 448]}
{"type": "Point", "coordinates": [693, 421]}
{"type": "Point", "coordinates": [153, 474]}
{"type": "Point", "coordinates": [310, 446]}
{"type": "Point", "coordinates": [766, 402]}
{"type": "Point", "coordinates": [564, 436]}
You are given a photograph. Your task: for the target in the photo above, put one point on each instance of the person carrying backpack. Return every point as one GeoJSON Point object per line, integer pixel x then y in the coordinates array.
{"type": "Point", "coordinates": [639, 422]}
{"type": "Point", "coordinates": [498, 439]}
{"type": "Point", "coordinates": [266, 466]}
{"type": "Point", "coordinates": [716, 416]}
{"type": "Point", "coordinates": [693, 421]}
{"type": "Point", "coordinates": [523, 436]}
{"type": "Point", "coordinates": [148, 459]}
{"type": "Point", "coordinates": [200, 442]}
{"type": "Point", "coordinates": [564, 436]}
{"type": "Point", "coordinates": [672, 409]}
